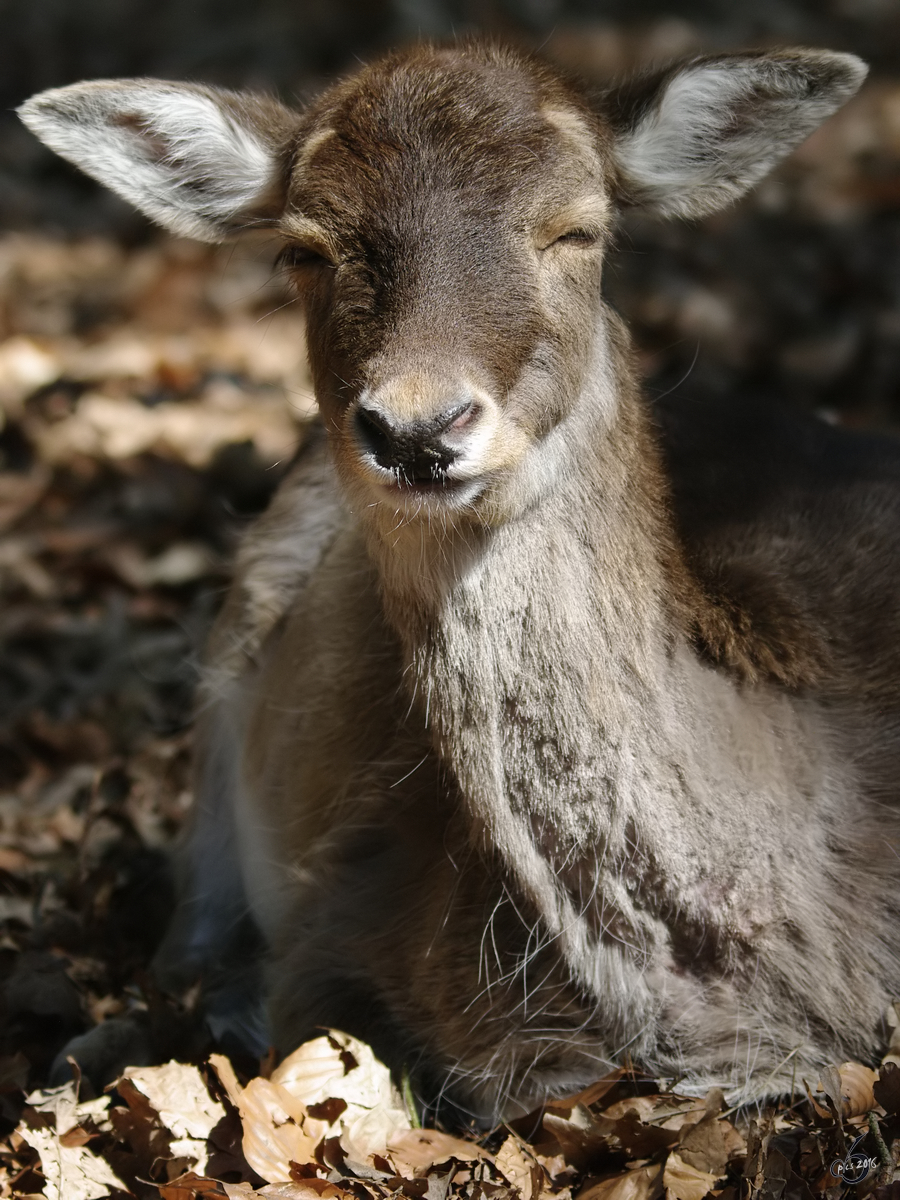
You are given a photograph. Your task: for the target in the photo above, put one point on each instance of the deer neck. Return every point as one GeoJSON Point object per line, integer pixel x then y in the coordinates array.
{"type": "Point", "coordinates": [583, 588]}
{"type": "Point", "coordinates": [550, 658]}
{"type": "Point", "coordinates": [527, 638]}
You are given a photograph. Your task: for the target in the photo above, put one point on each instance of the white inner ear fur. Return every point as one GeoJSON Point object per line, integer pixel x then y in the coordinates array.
{"type": "Point", "coordinates": [718, 128]}
{"type": "Point", "coordinates": [175, 153]}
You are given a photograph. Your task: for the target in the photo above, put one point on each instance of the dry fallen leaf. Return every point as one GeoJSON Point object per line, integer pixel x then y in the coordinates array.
{"type": "Point", "coordinates": [192, 1186]}
{"type": "Point", "coordinates": [274, 1124]}
{"type": "Point", "coordinates": [420, 1149]}
{"type": "Point", "coordinates": [339, 1067]}
{"type": "Point", "coordinates": [856, 1088]}
{"type": "Point", "coordinates": [886, 1089]}
{"type": "Point", "coordinates": [667, 1111]}
{"type": "Point", "coordinates": [177, 1092]}
{"type": "Point", "coordinates": [704, 1146]}
{"type": "Point", "coordinates": [644, 1183]}
{"type": "Point", "coordinates": [588, 1096]}
{"type": "Point", "coordinates": [330, 1087]}
{"type": "Point", "coordinates": [24, 367]}
{"type": "Point", "coordinates": [179, 563]}
{"type": "Point", "coordinates": [518, 1166]}
{"type": "Point", "coordinates": [581, 1137]}
{"type": "Point", "coordinates": [72, 1171]}
{"type": "Point", "coordinates": [848, 1089]}
{"type": "Point", "coordinates": [285, 1191]}
{"type": "Point", "coordinates": [685, 1182]}
{"type": "Point", "coordinates": [106, 427]}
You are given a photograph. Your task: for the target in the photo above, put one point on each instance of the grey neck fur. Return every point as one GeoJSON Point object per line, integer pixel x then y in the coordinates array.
{"type": "Point", "coordinates": [541, 655]}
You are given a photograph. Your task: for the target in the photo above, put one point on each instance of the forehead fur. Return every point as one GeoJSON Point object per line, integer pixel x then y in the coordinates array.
{"type": "Point", "coordinates": [474, 116]}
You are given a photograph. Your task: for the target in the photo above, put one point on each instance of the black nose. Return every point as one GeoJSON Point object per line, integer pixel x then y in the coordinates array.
{"type": "Point", "coordinates": [414, 448]}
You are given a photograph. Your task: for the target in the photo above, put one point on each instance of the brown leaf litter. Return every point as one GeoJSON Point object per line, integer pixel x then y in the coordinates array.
{"type": "Point", "coordinates": [329, 1124]}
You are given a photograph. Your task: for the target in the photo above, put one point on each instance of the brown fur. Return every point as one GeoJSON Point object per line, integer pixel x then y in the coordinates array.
{"type": "Point", "coordinates": [540, 728]}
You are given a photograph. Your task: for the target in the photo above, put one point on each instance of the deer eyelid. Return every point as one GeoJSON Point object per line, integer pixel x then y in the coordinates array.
{"type": "Point", "coordinates": [578, 236]}
{"type": "Point", "coordinates": [584, 236]}
{"type": "Point", "coordinates": [298, 255]}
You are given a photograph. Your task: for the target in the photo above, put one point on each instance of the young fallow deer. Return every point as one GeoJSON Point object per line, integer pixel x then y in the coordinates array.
{"type": "Point", "coordinates": [537, 729]}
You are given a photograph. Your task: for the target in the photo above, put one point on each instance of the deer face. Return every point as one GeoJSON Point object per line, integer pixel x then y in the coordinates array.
{"type": "Point", "coordinates": [444, 215]}
{"type": "Point", "coordinates": [445, 225]}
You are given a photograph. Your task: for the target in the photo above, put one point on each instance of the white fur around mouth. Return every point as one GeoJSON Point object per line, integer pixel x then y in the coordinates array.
{"type": "Point", "coordinates": [451, 492]}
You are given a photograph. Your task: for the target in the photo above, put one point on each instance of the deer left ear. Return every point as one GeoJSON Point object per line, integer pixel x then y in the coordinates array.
{"type": "Point", "coordinates": [200, 160]}
{"type": "Point", "coordinates": [695, 137]}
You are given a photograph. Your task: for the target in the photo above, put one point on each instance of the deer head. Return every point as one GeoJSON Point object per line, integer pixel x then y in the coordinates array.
{"type": "Point", "coordinates": [444, 213]}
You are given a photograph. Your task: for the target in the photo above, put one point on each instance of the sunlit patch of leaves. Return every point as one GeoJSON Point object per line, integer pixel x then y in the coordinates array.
{"type": "Point", "coordinates": [328, 1123]}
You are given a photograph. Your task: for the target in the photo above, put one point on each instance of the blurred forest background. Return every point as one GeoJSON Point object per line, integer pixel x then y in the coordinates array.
{"type": "Point", "coordinates": [152, 391]}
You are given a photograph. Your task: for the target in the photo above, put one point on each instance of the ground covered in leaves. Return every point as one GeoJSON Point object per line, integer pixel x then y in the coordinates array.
{"type": "Point", "coordinates": [151, 395]}
{"type": "Point", "coordinates": [328, 1123]}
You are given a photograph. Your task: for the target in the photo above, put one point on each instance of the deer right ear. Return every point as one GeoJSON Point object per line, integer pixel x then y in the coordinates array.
{"type": "Point", "coordinates": [199, 160]}
{"type": "Point", "coordinates": [695, 137]}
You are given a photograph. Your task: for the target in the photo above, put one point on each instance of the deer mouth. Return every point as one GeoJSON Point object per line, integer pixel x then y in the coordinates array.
{"type": "Point", "coordinates": [436, 489]}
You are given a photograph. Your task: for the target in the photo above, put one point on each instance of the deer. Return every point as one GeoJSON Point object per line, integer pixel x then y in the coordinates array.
{"type": "Point", "coordinates": [542, 728]}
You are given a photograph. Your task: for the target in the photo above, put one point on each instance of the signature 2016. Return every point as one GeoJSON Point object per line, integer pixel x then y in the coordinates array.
{"type": "Point", "coordinates": [855, 1167]}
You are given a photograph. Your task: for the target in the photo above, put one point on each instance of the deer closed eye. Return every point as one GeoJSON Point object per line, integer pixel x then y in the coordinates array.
{"type": "Point", "coordinates": [295, 256]}
{"type": "Point", "coordinates": [577, 237]}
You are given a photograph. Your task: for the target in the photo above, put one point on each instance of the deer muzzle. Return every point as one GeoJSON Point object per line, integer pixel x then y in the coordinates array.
{"type": "Point", "coordinates": [420, 439]}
